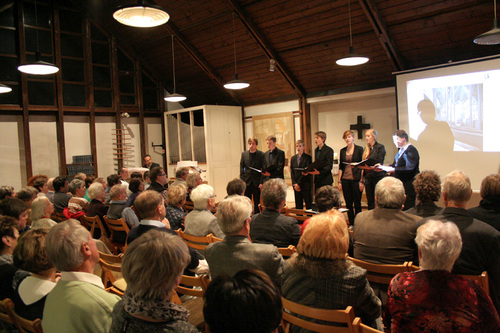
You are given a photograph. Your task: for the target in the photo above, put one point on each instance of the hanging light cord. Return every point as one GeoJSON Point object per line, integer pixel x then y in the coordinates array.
{"type": "Point", "coordinates": [234, 45]}
{"type": "Point", "coordinates": [36, 27]}
{"type": "Point", "coordinates": [495, 8]}
{"type": "Point", "coordinates": [350, 29]}
{"type": "Point", "coordinates": [173, 62]}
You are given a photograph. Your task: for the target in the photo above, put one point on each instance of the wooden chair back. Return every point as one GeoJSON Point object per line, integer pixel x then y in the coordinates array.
{"type": "Point", "coordinates": [110, 263]}
{"type": "Point", "coordinates": [196, 242]}
{"type": "Point", "coordinates": [287, 251]}
{"type": "Point", "coordinates": [201, 281]}
{"type": "Point", "coordinates": [381, 273]}
{"type": "Point", "coordinates": [359, 327]}
{"type": "Point", "coordinates": [25, 325]}
{"type": "Point", "coordinates": [116, 225]}
{"type": "Point", "coordinates": [341, 320]}
{"type": "Point", "coordinates": [58, 217]}
{"type": "Point", "coordinates": [136, 212]}
{"type": "Point", "coordinates": [5, 304]}
{"type": "Point", "coordinates": [299, 214]}
{"type": "Point", "coordinates": [95, 223]}
{"type": "Point", "coordinates": [188, 206]}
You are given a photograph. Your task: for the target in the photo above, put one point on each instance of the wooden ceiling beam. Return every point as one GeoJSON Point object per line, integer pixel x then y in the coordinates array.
{"type": "Point", "coordinates": [267, 48]}
{"type": "Point", "coordinates": [382, 33]}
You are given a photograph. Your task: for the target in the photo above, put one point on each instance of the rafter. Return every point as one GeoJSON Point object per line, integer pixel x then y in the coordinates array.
{"type": "Point", "coordinates": [382, 33]}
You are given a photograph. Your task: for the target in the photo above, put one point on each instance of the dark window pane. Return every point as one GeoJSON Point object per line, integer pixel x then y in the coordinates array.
{"type": "Point", "coordinates": [150, 99]}
{"type": "Point", "coordinates": [127, 100]}
{"type": "Point", "coordinates": [44, 40]}
{"type": "Point", "coordinates": [103, 99]}
{"type": "Point", "coordinates": [73, 95]}
{"type": "Point", "coordinates": [41, 93]}
{"type": "Point", "coordinates": [32, 58]}
{"type": "Point", "coordinates": [102, 77]}
{"type": "Point", "coordinates": [9, 70]}
{"type": "Point", "coordinates": [127, 84]}
{"type": "Point", "coordinates": [73, 70]}
{"type": "Point", "coordinates": [70, 21]}
{"type": "Point", "coordinates": [124, 63]}
{"type": "Point", "coordinates": [44, 18]}
{"type": "Point", "coordinates": [147, 82]}
{"type": "Point", "coordinates": [71, 46]}
{"type": "Point", "coordinates": [14, 97]}
{"type": "Point", "coordinates": [7, 14]}
{"type": "Point", "coordinates": [8, 41]}
{"type": "Point", "coordinates": [97, 34]}
{"type": "Point", "coordinates": [100, 53]}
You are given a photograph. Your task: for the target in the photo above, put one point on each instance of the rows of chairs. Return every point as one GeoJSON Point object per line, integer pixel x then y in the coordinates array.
{"type": "Point", "coordinates": [9, 316]}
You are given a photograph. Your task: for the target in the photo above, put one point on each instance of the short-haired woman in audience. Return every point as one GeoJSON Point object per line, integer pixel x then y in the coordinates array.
{"type": "Point", "coordinates": [97, 195]}
{"type": "Point", "coordinates": [433, 299]}
{"type": "Point", "coordinates": [192, 181]}
{"type": "Point", "coordinates": [236, 186]}
{"type": "Point", "coordinates": [427, 185]}
{"type": "Point", "coordinates": [319, 274]}
{"type": "Point", "coordinates": [327, 197]}
{"type": "Point", "coordinates": [146, 306]}
{"type": "Point", "coordinates": [30, 255]}
{"type": "Point", "coordinates": [77, 203]}
{"type": "Point", "coordinates": [174, 212]}
{"type": "Point", "coordinates": [40, 183]}
{"type": "Point", "coordinates": [8, 239]}
{"type": "Point", "coordinates": [136, 186]}
{"type": "Point", "coordinates": [488, 210]}
{"type": "Point", "coordinates": [245, 303]}
{"type": "Point", "coordinates": [376, 153]}
{"type": "Point", "coordinates": [200, 221]}
{"type": "Point", "coordinates": [41, 210]}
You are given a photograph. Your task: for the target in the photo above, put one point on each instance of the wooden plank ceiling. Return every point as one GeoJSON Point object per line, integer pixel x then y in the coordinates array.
{"type": "Point", "coordinates": [304, 37]}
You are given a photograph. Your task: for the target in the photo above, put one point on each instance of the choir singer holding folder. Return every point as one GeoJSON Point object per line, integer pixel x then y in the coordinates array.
{"type": "Point", "coordinates": [302, 185]}
{"type": "Point", "coordinates": [251, 164]}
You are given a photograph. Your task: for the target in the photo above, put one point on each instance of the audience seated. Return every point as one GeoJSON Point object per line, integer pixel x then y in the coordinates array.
{"type": "Point", "coordinates": [151, 207]}
{"type": "Point", "coordinates": [247, 302]}
{"type": "Point", "coordinates": [7, 191]}
{"type": "Point", "coordinates": [118, 207]}
{"type": "Point", "coordinates": [17, 209]}
{"type": "Point", "coordinates": [181, 175]}
{"type": "Point", "coordinates": [270, 226]}
{"type": "Point", "coordinates": [136, 186]}
{"type": "Point", "coordinates": [124, 178]}
{"type": "Point", "coordinates": [147, 179]}
{"type": "Point", "coordinates": [326, 198]}
{"type": "Point", "coordinates": [61, 198]}
{"type": "Point", "coordinates": [480, 241]}
{"type": "Point", "coordinates": [81, 176]}
{"type": "Point", "coordinates": [236, 186]}
{"type": "Point", "coordinates": [319, 275]}
{"type": "Point", "coordinates": [174, 213]}
{"type": "Point", "coordinates": [159, 181]}
{"type": "Point", "coordinates": [9, 235]}
{"type": "Point", "coordinates": [236, 252]}
{"type": "Point", "coordinates": [146, 305]}
{"type": "Point", "coordinates": [40, 183]}
{"type": "Point", "coordinates": [41, 210]}
{"type": "Point", "coordinates": [50, 186]}
{"type": "Point", "coordinates": [97, 195]}
{"type": "Point", "coordinates": [386, 235]}
{"type": "Point", "coordinates": [88, 181]}
{"type": "Point", "coordinates": [78, 302]}
{"type": "Point", "coordinates": [27, 194]}
{"type": "Point", "coordinates": [112, 180]}
{"type": "Point", "coordinates": [427, 185]}
{"type": "Point", "coordinates": [77, 203]}
{"type": "Point", "coordinates": [433, 299]}
{"type": "Point", "coordinates": [30, 255]}
{"type": "Point", "coordinates": [488, 210]}
{"type": "Point", "coordinates": [193, 179]}
{"type": "Point", "coordinates": [200, 221]}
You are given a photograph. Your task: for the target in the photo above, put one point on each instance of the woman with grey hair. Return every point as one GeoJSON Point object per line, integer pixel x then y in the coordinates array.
{"type": "Point", "coordinates": [146, 305]}
{"type": "Point", "coordinates": [433, 299]}
{"type": "Point", "coordinates": [200, 221]}
{"type": "Point", "coordinates": [41, 210]}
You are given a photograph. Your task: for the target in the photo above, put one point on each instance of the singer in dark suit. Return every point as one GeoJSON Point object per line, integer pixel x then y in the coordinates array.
{"type": "Point", "coordinates": [274, 161]}
{"type": "Point", "coordinates": [302, 185]}
{"type": "Point", "coordinates": [324, 154]}
{"type": "Point", "coordinates": [406, 166]}
{"type": "Point", "coordinates": [252, 158]}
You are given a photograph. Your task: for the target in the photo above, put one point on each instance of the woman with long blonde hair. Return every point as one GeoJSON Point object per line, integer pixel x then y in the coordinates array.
{"type": "Point", "coordinates": [376, 153]}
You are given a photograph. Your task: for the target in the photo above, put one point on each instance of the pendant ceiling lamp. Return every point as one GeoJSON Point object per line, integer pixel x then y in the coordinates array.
{"type": "Point", "coordinates": [491, 37]}
{"type": "Point", "coordinates": [352, 59]}
{"type": "Point", "coordinates": [4, 89]}
{"type": "Point", "coordinates": [174, 97]}
{"type": "Point", "coordinates": [39, 67]}
{"type": "Point", "coordinates": [236, 84]}
{"type": "Point", "coordinates": [141, 15]}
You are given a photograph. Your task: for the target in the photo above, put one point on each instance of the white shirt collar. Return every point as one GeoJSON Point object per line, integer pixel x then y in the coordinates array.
{"type": "Point", "coordinates": [404, 148]}
{"type": "Point", "coordinates": [82, 276]}
{"type": "Point", "coordinates": [153, 223]}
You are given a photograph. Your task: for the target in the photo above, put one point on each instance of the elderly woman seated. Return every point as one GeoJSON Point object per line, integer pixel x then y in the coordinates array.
{"type": "Point", "coordinates": [174, 212]}
{"type": "Point", "coordinates": [192, 180]}
{"type": "Point", "coordinates": [319, 274]}
{"type": "Point", "coordinates": [427, 185]}
{"type": "Point", "coordinates": [146, 305]}
{"type": "Point", "coordinates": [434, 300]}
{"type": "Point", "coordinates": [200, 221]}
{"type": "Point", "coordinates": [41, 210]}
{"type": "Point", "coordinates": [77, 205]}
{"type": "Point", "coordinates": [31, 291]}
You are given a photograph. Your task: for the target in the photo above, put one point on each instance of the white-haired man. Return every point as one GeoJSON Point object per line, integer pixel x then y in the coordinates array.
{"type": "Point", "coordinates": [236, 252]}
{"type": "Point", "coordinates": [481, 242]}
{"type": "Point", "coordinates": [78, 303]}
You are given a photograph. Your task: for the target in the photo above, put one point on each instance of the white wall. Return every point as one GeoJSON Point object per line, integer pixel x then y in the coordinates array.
{"type": "Point", "coordinates": [154, 135]}
{"type": "Point", "coordinates": [44, 146]}
{"type": "Point", "coordinates": [76, 137]}
{"type": "Point", "coordinates": [12, 163]}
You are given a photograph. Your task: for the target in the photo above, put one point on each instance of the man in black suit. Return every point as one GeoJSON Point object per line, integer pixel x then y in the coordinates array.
{"type": "Point", "coordinates": [480, 241]}
{"type": "Point", "coordinates": [301, 183]}
{"type": "Point", "coordinates": [252, 158]}
{"type": "Point", "coordinates": [324, 154]}
{"type": "Point", "coordinates": [406, 165]}
{"type": "Point", "coordinates": [148, 163]}
{"type": "Point", "coordinates": [274, 161]}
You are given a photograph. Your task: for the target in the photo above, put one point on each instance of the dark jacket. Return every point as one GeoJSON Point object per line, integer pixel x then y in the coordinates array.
{"type": "Point", "coordinates": [325, 173]}
{"type": "Point", "coordinates": [297, 177]}
{"type": "Point", "coordinates": [271, 227]}
{"type": "Point", "coordinates": [274, 167]}
{"type": "Point", "coordinates": [254, 160]}
{"type": "Point", "coordinates": [357, 156]}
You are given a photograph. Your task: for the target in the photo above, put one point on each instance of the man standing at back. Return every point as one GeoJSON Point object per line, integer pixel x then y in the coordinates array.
{"type": "Point", "coordinates": [251, 161]}
{"type": "Point", "coordinates": [78, 303]}
{"type": "Point", "coordinates": [480, 241]}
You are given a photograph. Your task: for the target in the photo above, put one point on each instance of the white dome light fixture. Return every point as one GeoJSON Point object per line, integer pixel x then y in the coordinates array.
{"type": "Point", "coordinates": [174, 97]}
{"type": "Point", "coordinates": [491, 37]}
{"type": "Point", "coordinates": [236, 84]}
{"type": "Point", "coordinates": [5, 89]}
{"type": "Point", "coordinates": [352, 59]}
{"type": "Point", "coordinates": [141, 15]}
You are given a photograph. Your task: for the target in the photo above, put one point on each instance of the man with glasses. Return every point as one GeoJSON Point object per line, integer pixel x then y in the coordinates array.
{"type": "Point", "coordinates": [158, 182]}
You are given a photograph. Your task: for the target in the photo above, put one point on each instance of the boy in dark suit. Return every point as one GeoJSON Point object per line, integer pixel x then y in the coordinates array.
{"type": "Point", "coordinates": [301, 184]}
